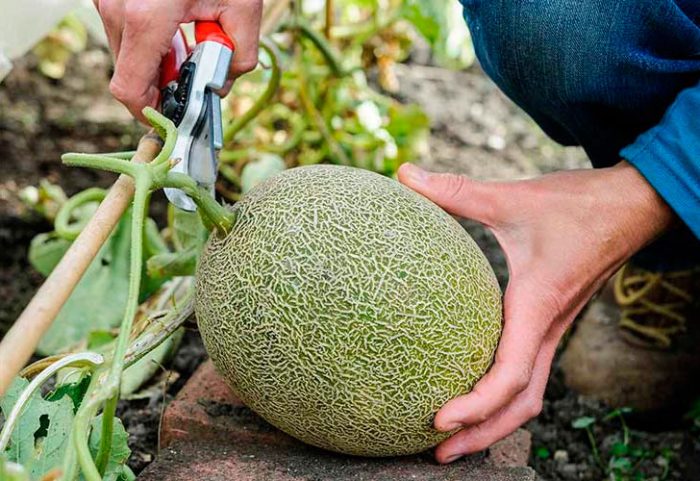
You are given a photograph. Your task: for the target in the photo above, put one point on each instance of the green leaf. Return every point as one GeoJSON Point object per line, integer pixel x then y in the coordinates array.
{"type": "Point", "coordinates": [75, 391]}
{"type": "Point", "coordinates": [619, 449]}
{"type": "Point", "coordinates": [98, 301]}
{"type": "Point", "coordinates": [46, 250]}
{"type": "Point", "coordinates": [542, 453]}
{"type": "Point", "coordinates": [97, 339]}
{"type": "Point", "coordinates": [153, 245]}
{"type": "Point", "coordinates": [618, 412]}
{"type": "Point", "coordinates": [620, 464]}
{"type": "Point", "coordinates": [120, 452]}
{"type": "Point", "coordinates": [583, 422]}
{"type": "Point", "coordinates": [40, 437]}
{"type": "Point", "coordinates": [153, 241]}
{"type": "Point", "coordinates": [427, 16]}
{"type": "Point", "coordinates": [188, 229]}
{"type": "Point", "coordinates": [54, 51]}
{"type": "Point", "coordinates": [440, 22]}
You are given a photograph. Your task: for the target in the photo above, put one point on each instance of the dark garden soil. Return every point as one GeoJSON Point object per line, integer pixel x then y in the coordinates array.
{"type": "Point", "coordinates": [476, 131]}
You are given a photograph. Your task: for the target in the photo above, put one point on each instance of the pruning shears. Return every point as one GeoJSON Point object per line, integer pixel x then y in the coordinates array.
{"type": "Point", "coordinates": [189, 80]}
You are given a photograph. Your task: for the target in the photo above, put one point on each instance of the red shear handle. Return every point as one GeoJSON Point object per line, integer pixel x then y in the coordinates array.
{"type": "Point", "coordinates": [176, 56]}
{"type": "Point", "coordinates": [211, 31]}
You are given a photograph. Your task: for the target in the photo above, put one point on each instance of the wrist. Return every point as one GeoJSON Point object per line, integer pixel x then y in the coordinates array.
{"type": "Point", "coordinates": [644, 215]}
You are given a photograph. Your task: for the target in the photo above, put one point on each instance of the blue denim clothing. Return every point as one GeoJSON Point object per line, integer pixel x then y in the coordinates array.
{"type": "Point", "coordinates": [621, 78]}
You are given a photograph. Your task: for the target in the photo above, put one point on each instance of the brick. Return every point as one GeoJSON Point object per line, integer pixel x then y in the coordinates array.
{"type": "Point", "coordinates": [185, 461]}
{"type": "Point", "coordinates": [210, 435]}
{"type": "Point", "coordinates": [512, 451]}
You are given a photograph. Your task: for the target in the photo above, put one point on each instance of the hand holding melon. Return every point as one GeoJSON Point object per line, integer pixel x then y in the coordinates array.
{"type": "Point", "coordinates": [563, 234]}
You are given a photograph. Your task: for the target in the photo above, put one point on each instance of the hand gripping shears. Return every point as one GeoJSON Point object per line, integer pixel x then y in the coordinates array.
{"type": "Point", "coordinates": [188, 83]}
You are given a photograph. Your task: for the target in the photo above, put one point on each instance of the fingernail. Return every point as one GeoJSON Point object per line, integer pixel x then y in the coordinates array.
{"type": "Point", "coordinates": [449, 427]}
{"type": "Point", "coordinates": [452, 427]}
{"type": "Point", "coordinates": [453, 458]}
{"type": "Point", "coordinates": [415, 174]}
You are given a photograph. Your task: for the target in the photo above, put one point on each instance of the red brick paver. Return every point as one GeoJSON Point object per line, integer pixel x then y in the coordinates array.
{"type": "Point", "coordinates": [210, 435]}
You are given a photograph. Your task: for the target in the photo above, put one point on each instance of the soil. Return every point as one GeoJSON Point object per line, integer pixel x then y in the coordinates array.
{"type": "Point", "coordinates": [476, 131]}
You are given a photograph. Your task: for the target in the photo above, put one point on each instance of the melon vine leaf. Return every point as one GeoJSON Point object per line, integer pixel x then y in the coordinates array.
{"type": "Point", "coordinates": [46, 250]}
{"type": "Point", "coordinates": [106, 279]}
{"type": "Point", "coordinates": [39, 440]}
{"type": "Point", "coordinates": [75, 391]}
{"type": "Point", "coordinates": [188, 229]}
{"type": "Point", "coordinates": [119, 454]}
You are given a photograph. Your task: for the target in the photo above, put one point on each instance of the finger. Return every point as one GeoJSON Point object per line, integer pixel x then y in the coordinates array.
{"type": "Point", "coordinates": [524, 407]}
{"type": "Point", "coordinates": [241, 22]}
{"type": "Point", "coordinates": [457, 194]}
{"type": "Point", "coordinates": [112, 15]}
{"type": "Point", "coordinates": [149, 27]}
{"type": "Point", "coordinates": [523, 333]}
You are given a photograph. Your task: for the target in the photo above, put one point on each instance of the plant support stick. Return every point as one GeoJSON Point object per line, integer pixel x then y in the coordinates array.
{"type": "Point", "coordinates": [21, 340]}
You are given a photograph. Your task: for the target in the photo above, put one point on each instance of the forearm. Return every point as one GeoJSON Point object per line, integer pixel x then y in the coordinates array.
{"type": "Point", "coordinates": [668, 156]}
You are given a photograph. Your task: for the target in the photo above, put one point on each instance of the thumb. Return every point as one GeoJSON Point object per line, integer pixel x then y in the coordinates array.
{"type": "Point", "coordinates": [457, 194]}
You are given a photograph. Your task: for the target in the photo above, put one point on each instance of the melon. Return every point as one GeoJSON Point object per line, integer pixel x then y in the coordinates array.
{"type": "Point", "coordinates": [346, 309]}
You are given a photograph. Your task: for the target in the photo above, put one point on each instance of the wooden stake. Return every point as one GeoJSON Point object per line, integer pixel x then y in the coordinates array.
{"type": "Point", "coordinates": [20, 342]}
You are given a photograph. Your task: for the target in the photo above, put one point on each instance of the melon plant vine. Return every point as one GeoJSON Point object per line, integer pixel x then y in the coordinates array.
{"type": "Point", "coordinates": [105, 377]}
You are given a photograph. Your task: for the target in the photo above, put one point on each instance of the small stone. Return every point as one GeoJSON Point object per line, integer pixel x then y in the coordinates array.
{"type": "Point", "coordinates": [496, 142]}
{"type": "Point", "coordinates": [561, 456]}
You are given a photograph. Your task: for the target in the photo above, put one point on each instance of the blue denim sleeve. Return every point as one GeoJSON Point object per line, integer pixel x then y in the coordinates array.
{"type": "Point", "coordinates": [668, 156]}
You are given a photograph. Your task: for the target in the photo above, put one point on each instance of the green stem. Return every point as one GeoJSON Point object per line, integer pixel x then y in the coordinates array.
{"type": "Point", "coordinates": [594, 447]}
{"type": "Point", "coordinates": [360, 33]}
{"type": "Point", "coordinates": [625, 430]}
{"type": "Point", "coordinates": [297, 127]}
{"type": "Point", "coordinates": [228, 156]}
{"type": "Point", "coordinates": [81, 429]}
{"type": "Point", "coordinates": [126, 155]}
{"type": "Point", "coordinates": [212, 212]}
{"type": "Point", "coordinates": [105, 382]}
{"type": "Point", "coordinates": [110, 410]}
{"type": "Point", "coordinates": [100, 161]}
{"type": "Point", "coordinates": [143, 184]}
{"type": "Point", "coordinates": [166, 326]}
{"type": "Point", "coordinates": [329, 54]}
{"type": "Point", "coordinates": [62, 223]}
{"type": "Point", "coordinates": [237, 125]}
{"type": "Point", "coordinates": [335, 148]}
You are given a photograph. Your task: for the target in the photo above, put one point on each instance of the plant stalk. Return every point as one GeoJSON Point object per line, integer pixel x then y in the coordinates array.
{"type": "Point", "coordinates": [143, 184]}
{"type": "Point", "coordinates": [272, 86]}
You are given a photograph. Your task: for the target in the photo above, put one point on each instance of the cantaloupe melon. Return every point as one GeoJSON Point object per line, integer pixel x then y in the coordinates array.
{"type": "Point", "coordinates": [346, 309]}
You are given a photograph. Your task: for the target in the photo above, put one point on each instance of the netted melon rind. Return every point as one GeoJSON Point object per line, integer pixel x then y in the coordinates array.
{"type": "Point", "coordinates": [346, 309]}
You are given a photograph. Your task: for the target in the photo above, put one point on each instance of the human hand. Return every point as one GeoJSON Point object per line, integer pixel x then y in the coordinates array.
{"type": "Point", "coordinates": [140, 34]}
{"type": "Point", "coordinates": [564, 235]}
